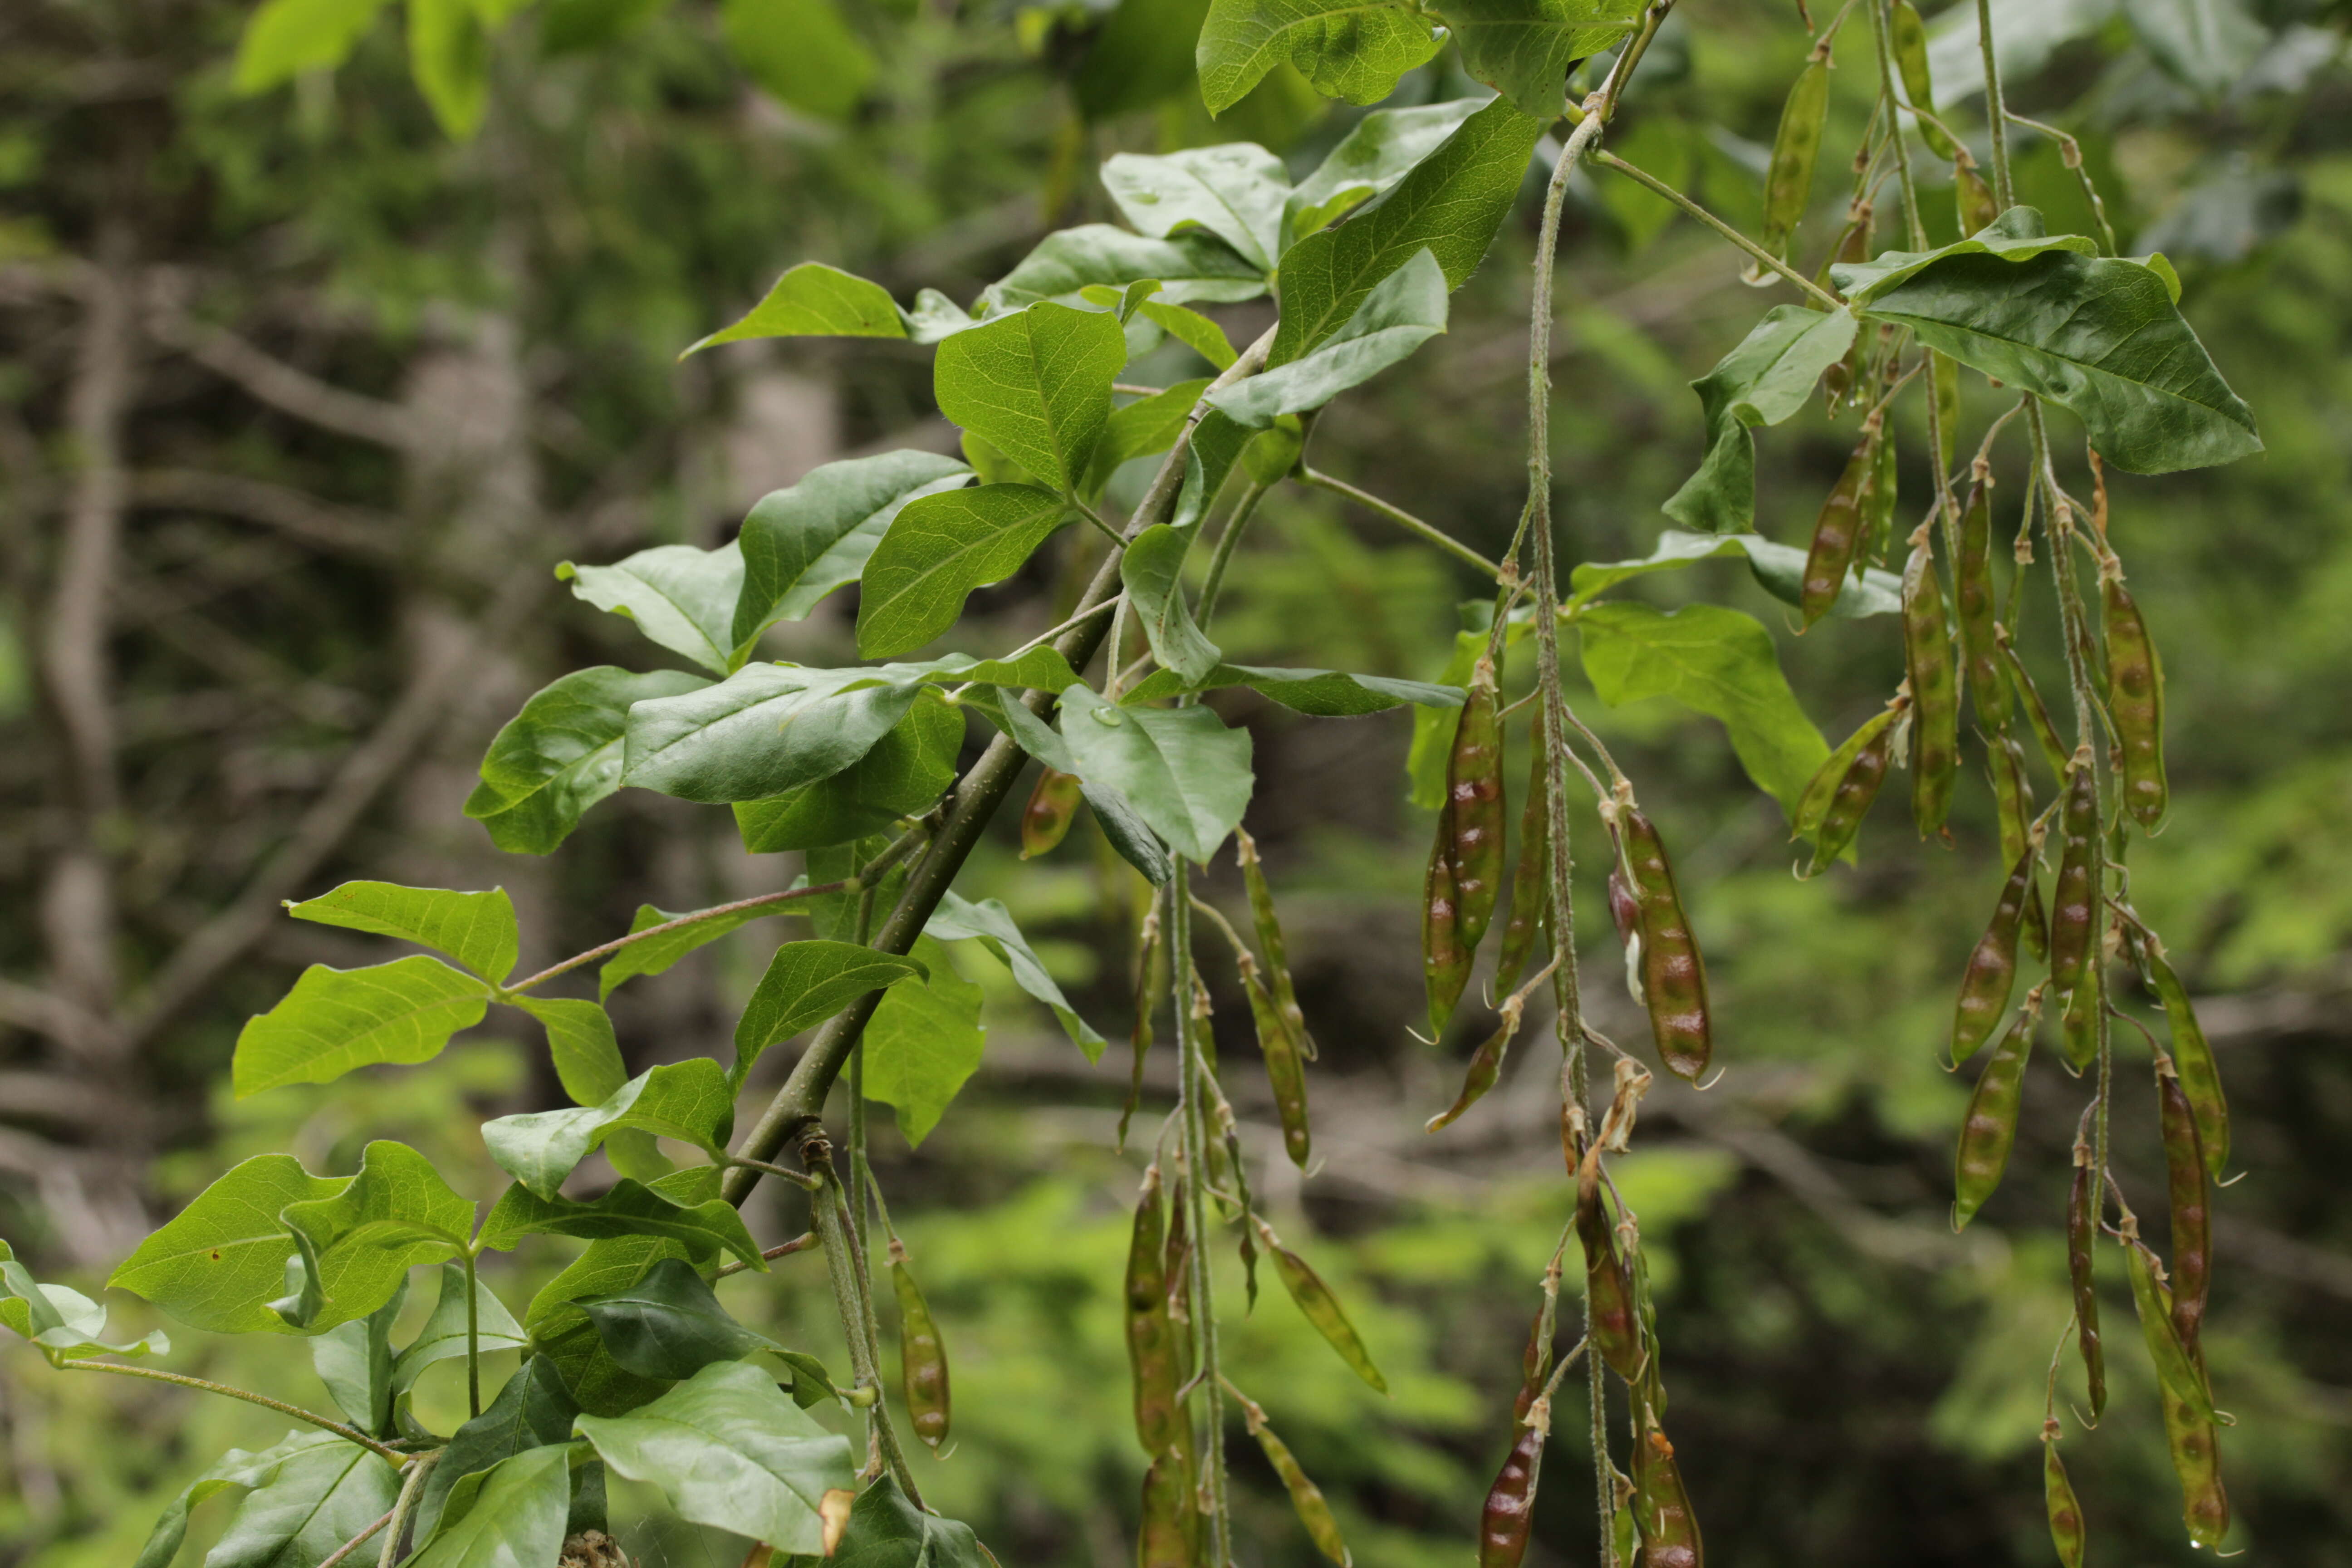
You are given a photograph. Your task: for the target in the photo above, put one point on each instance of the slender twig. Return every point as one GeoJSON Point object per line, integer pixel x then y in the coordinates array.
{"type": "Point", "coordinates": [1403, 518]}
{"type": "Point", "coordinates": [1193, 1107]}
{"type": "Point", "coordinates": [1883, 43]}
{"type": "Point", "coordinates": [473, 1338]}
{"type": "Point", "coordinates": [356, 1542]}
{"type": "Point", "coordinates": [411, 1492]}
{"type": "Point", "coordinates": [2070, 152]}
{"type": "Point", "coordinates": [1763, 258]}
{"type": "Point", "coordinates": [1244, 509]}
{"type": "Point", "coordinates": [843, 1269]}
{"type": "Point", "coordinates": [1118, 540]}
{"type": "Point", "coordinates": [1996, 109]}
{"type": "Point", "coordinates": [695, 916]}
{"type": "Point", "coordinates": [349, 1434]}
{"type": "Point", "coordinates": [800, 1243]}
{"type": "Point", "coordinates": [1224, 927]}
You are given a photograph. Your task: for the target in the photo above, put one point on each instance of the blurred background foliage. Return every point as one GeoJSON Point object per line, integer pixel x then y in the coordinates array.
{"type": "Point", "coordinates": [302, 398]}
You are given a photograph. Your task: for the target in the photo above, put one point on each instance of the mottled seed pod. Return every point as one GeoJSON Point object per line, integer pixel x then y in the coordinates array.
{"type": "Point", "coordinates": [1612, 1320]}
{"type": "Point", "coordinates": [1531, 880]}
{"type": "Point", "coordinates": [2014, 803]}
{"type": "Point", "coordinates": [1670, 1537]}
{"type": "Point", "coordinates": [2135, 701]}
{"type": "Point", "coordinates": [2074, 900]}
{"type": "Point", "coordinates": [1319, 1306]}
{"type": "Point", "coordinates": [1305, 1497]}
{"type": "Point", "coordinates": [1674, 976]}
{"type": "Point", "coordinates": [1510, 1512]}
{"type": "Point", "coordinates": [922, 1354]}
{"type": "Point", "coordinates": [1935, 696]}
{"type": "Point", "coordinates": [1837, 532]}
{"type": "Point", "coordinates": [1045, 820]}
{"type": "Point", "coordinates": [2058, 1498]}
{"type": "Point", "coordinates": [2078, 1027]}
{"type": "Point", "coordinates": [2191, 1206]}
{"type": "Point", "coordinates": [1909, 35]}
{"type": "Point", "coordinates": [1972, 604]}
{"type": "Point", "coordinates": [1485, 1066]}
{"type": "Point", "coordinates": [1151, 1351]}
{"type": "Point", "coordinates": [2192, 1058]}
{"type": "Point", "coordinates": [1152, 984]}
{"type": "Point", "coordinates": [1270, 943]}
{"type": "Point", "coordinates": [1857, 786]}
{"type": "Point", "coordinates": [1444, 962]}
{"type": "Point", "coordinates": [1475, 813]}
{"type": "Point", "coordinates": [2081, 1231]}
{"type": "Point", "coordinates": [1989, 1130]}
{"type": "Point", "coordinates": [1821, 788]}
{"type": "Point", "coordinates": [1972, 199]}
{"type": "Point", "coordinates": [2037, 714]}
{"type": "Point", "coordinates": [1170, 1522]}
{"type": "Point", "coordinates": [1789, 180]}
{"type": "Point", "coordinates": [1284, 1072]}
{"type": "Point", "coordinates": [1878, 497]}
{"type": "Point", "coordinates": [2193, 1441]}
{"type": "Point", "coordinates": [1991, 974]}
{"type": "Point", "coordinates": [2180, 1371]}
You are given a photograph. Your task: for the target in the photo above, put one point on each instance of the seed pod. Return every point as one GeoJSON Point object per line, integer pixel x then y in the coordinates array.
{"type": "Point", "coordinates": [1045, 820]}
{"type": "Point", "coordinates": [1169, 1521]}
{"type": "Point", "coordinates": [1535, 1362]}
{"type": "Point", "coordinates": [2078, 1027]}
{"type": "Point", "coordinates": [1972, 197]}
{"type": "Point", "coordinates": [1838, 530]}
{"type": "Point", "coordinates": [1509, 1513]}
{"type": "Point", "coordinates": [1269, 941]}
{"type": "Point", "coordinates": [1856, 788]}
{"type": "Point", "coordinates": [1151, 987]}
{"type": "Point", "coordinates": [922, 1354]}
{"type": "Point", "coordinates": [2037, 715]}
{"type": "Point", "coordinates": [2192, 1214]}
{"type": "Point", "coordinates": [1473, 804]}
{"type": "Point", "coordinates": [1284, 1071]}
{"type": "Point", "coordinates": [2013, 801]}
{"type": "Point", "coordinates": [2178, 1370]}
{"type": "Point", "coordinates": [2192, 1058]}
{"type": "Point", "coordinates": [1788, 182]}
{"type": "Point", "coordinates": [2193, 1441]}
{"type": "Point", "coordinates": [1909, 35]}
{"type": "Point", "coordinates": [1822, 786]}
{"type": "Point", "coordinates": [1989, 1128]}
{"type": "Point", "coordinates": [1486, 1065]}
{"type": "Point", "coordinates": [1531, 882]}
{"type": "Point", "coordinates": [1842, 380]}
{"type": "Point", "coordinates": [1611, 1320]}
{"type": "Point", "coordinates": [1944, 375]}
{"type": "Point", "coordinates": [1319, 1307]}
{"type": "Point", "coordinates": [2058, 1497]}
{"type": "Point", "coordinates": [1674, 977]}
{"type": "Point", "coordinates": [1878, 504]}
{"type": "Point", "coordinates": [1928, 662]}
{"type": "Point", "coordinates": [1972, 603]}
{"type": "Point", "coordinates": [1444, 962]}
{"type": "Point", "coordinates": [1624, 1534]}
{"type": "Point", "coordinates": [1991, 974]}
{"type": "Point", "coordinates": [2075, 901]}
{"type": "Point", "coordinates": [1159, 1423]}
{"type": "Point", "coordinates": [1305, 1497]}
{"type": "Point", "coordinates": [2135, 701]}
{"type": "Point", "coordinates": [2082, 1227]}
{"type": "Point", "coordinates": [1669, 1530]}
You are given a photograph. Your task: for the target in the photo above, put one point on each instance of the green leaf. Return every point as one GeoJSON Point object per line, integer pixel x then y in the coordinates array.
{"type": "Point", "coordinates": [691, 1101]}
{"type": "Point", "coordinates": [680, 597]}
{"type": "Point", "coordinates": [535, 1410]}
{"type": "Point", "coordinates": [1128, 832]}
{"type": "Point", "coordinates": [669, 1325]}
{"type": "Point", "coordinates": [59, 1318]}
{"type": "Point", "coordinates": [1524, 49]}
{"type": "Point", "coordinates": [581, 1045]}
{"type": "Point", "coordinates": [1216, 445]}
{"type": "Point", "coordinates": [338, 1019]}
{"type": "Point", "coordinates": [1235, 192]}
{"type": "Point", "coordinates": [309, 1502]}
{"type": "Point", "coordinates": [991, 923]}
{"type": "Point", "coordinates": [1451, 203]}
{"type": "Point", "coordinates": [1719, 662]}
{"type": "Point", "coordinates": [906, 771]}
{"type": "Point", "coordinates": [656, 954]}
{"type": "Point", "coordinates": [354, 1361]}
{"type": "Point", "coordinates": [2098, 335]}
{"type": "Point", "coordinates": [478, 930]}
{"type": "Point", "coordinates": [511, 1516]}
{"type": "Point", "coordinates": [448, 56]}
{"type": "Point", "coordinates": [1766, 379]}
{"type": "Point", "coordinates": [561, 754]}
{"type": "Point", "coordinates": [1145, 426]}
{"type": "Point", "coordinates": [800, 545]}
{"type": "Point", "coordinates": [1190, 267]}
{"type": "Point", "coordinates": [235, 1469]}
{"type": "Point", "coordinates": [804, 53]}
{"type": "Point", "coordinates": [1779, 568]}
{"type": "Point", "coordinates": [923, 1042]}
{"type": "Point", "coordinates": [1348, 49]}
{"type": "Point", "coordinates": [885, 1531]}
{"type": "Point", "coordinates": [733, 1452]}
{"type": "Point", "coordinates": [286, 38]}
{"type": "Point", "coordinates": [2015, 236]}
{"type": "Point", "coordinates": [358, 1245]}
{"type": "Point", "coordinates": [629, 1208]}
{"type": "Point", "coordinates": [216, 1263]}
{"type": "Point", "coordinates": [1405, 310]}
{"type": "Point", "coordinates": [1194, 331]}
{"type": "Point", "coordinates": [1186, 774]}
{"type": "Point", "coordinates": [1153, 568]}
{"type": "Point", "coordinates": [806, 983]}
{"type": "Point", "coordinates": [1375, 155]}
{"type": "Point", "coordinates": [942, 547]}
{"type": "Point", "coordinates": [1035, 385]}
{"type": "Point", "coordinates": [766, 729]}
{"type": "Point", "coordinates": [813, 300]}
{"type": "Point", "coordinates": [562, 1333]}
{"type": "Point", "coordinates": [1326, 693]}
{"type": "Point", "coordinates": [443, 1337]}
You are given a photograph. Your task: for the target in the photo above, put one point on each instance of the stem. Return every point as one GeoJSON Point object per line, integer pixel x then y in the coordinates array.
{"type": "Point", "coordinates": [1244, 509]}
{"type": "Point", "coordinates": [694, 918]}
{"type": "Point", "coordinates": [1881, 40]}
{"type": "Point", "coordinates": [1763, 258]}
{"type": "Point", "coordinates": [412, 1490]}
{"type": "Point", "coordinates": [349, 1434]}
{"type": "Point", "coordinates": [844, 1269]}
{"type": "Point", "coordinates": [1193, 1109]}
{"type": "Point", "coordinates": [1403, 518]}
{"type": "Point", "coordinates": [473, 1340]}
{"type": "Point", "coordinates": [356, 1542]}
{"type": "Point", "coordinates": [1996, 110]}
{"type": "Point", "coordinates": [800, 1243]}
{"type": "Point", "coordinates": [1118, 540]}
